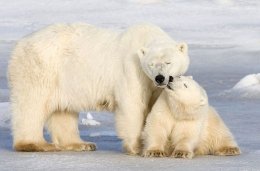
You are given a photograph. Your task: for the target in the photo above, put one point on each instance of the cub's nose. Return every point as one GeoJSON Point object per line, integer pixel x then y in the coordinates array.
{"type": "Point", "coordinates": [159, 79]}
{"type": "Point", "coordinates": [171, 79]}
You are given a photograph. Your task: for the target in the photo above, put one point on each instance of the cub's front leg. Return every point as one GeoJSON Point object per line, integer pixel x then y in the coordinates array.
{"type": "Point", "coordinates": [156, 133]}
{"type": "Point", "coordinates": [185, 138]}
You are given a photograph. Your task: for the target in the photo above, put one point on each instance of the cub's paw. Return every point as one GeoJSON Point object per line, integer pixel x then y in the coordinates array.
{"type": "Point", "coordinates": [182, 154]}
{"type": "Point", "coordinates": [154, 153]}
{"type": "Point", "coordinates": [80, 147]}
{"type": "Point", "coordinates": [132, 149]}
{"type": "Point", "coordinates": [228, 151]}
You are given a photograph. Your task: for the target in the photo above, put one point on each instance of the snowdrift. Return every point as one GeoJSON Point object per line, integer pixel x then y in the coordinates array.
{"type": "Point", "coordinates": [248, 87]}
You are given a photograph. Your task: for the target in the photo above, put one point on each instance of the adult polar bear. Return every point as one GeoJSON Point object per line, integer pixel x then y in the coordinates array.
{"type": "Point", "coordinates": [66, 68]}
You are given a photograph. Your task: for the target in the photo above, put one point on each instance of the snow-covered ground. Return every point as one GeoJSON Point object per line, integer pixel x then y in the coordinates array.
{"type": "Point", "coordinates": [224, 45]}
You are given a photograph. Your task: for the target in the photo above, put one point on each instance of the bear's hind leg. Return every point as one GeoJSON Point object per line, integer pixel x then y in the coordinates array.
{"type": "Point", "coordinates": [223, 144]}
{"type": "Point", "coordinates": [27, 128]}
{"type": "Point", "coordinates": [228, 151]}
{"type": "Point", "coordinates": [226, 147]}
{"type": "Point", "coordinates": [63, 127]}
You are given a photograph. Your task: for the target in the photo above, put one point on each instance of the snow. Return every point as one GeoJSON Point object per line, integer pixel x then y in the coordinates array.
{"type": "Point", "coordinates": [5, 115]}
{"type": "Point", "coordinates": [249, 82]}
{"type": "Point", "coordinates": [146, 2]}
{"type": "Point", "coordinates": [225, 2]}
{"type": "Point", "coordinates": [89, 120]}
{"type": "Point", "coordinates": [247, 87]}
{"type": "Point", "coordinates": [224, 46]}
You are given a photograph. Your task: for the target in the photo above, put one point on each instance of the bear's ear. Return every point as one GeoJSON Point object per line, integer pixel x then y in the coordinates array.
{"type": "Point", "coordinates": [141, 52]}
{"type": "Point", "coordinates": [182, 47]}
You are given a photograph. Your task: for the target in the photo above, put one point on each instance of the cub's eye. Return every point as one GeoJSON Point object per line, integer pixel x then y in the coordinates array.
{"type": "Point", "coordinates": [167, 63]}
{"type": "Point", "coordinates": [185, 85]}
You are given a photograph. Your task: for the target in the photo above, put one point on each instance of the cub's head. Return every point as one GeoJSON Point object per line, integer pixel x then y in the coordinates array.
{"type": "Point", "coordinates": [186, 92]}
{"type": "Point", "coordinates": [161, 60]}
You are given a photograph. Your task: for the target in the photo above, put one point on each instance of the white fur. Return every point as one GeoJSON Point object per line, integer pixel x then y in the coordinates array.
{"type": "Point", "coordinates": [159, 57]}
{"type": "Point", "coordinates": [182, 115]}
{"type": "Point", "coordinates": [60, 70]}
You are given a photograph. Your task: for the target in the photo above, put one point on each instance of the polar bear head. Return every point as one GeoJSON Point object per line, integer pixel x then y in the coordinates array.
{"type": "Point", "coordinates": [183, 93]}
{"type": "Point", "coordinates": [159, 60]}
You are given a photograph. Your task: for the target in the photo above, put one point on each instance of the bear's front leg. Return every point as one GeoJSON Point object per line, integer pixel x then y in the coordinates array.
{"type": "Point", "coordinates": [129, 124]}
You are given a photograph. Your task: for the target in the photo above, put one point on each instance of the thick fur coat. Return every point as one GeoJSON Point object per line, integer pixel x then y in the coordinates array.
{"type": "Point", "coordinates": [63, 69]}
{"type": "Point", "coordinates": [182, 124]}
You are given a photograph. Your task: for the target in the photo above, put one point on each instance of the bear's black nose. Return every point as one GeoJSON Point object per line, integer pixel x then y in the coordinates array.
{"type": "Point", "coordinates": [159, 79]}
{"type": "Point", "coordinates": [171, 79]}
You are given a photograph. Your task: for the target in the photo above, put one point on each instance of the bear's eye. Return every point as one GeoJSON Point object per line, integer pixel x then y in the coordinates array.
{"type": "Point", "coordinates": [185, 85]}
{"type": "Point", "coordinates": [167, 63]}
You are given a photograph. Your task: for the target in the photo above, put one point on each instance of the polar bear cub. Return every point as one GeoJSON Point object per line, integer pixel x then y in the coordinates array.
{"type": "Point", "coordinates": [182, 124]}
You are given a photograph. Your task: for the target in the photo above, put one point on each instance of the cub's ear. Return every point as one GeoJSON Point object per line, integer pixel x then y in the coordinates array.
{"type": "Point", "coordinates": [203, 101]}
{"type": "Point", "coordinates": [182, 47]}
{"type": "Point", "coordinates": [141, 52]}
